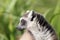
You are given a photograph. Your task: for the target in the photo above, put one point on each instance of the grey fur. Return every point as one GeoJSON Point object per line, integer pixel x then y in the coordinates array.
{"type": "Point", "coordinates": [37, 25]}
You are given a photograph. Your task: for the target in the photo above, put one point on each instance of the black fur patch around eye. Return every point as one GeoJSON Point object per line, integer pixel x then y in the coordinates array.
{"type": "Point", "coordinates": [23, 22]}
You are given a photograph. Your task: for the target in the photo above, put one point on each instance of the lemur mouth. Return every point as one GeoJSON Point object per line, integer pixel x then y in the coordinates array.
{"type": "Point", "coordinates": [20, 29]}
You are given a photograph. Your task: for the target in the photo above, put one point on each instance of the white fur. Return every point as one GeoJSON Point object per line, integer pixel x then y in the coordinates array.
{"type": "Point", "coordinates": [30, 14]}
{"type": "Point", "coordinates": [39, 35]}
{"type": "Point", "coordinates": [33, 26]}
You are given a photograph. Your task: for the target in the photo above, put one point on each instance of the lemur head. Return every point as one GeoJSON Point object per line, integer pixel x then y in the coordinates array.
{"type": "Point", "coordinates": [30, 18]}
{"type": "Point", "coordinates": [27, 19]}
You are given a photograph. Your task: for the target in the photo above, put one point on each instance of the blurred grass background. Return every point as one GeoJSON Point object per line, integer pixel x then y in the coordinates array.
{"type": "Point", "coordinates": [11, 11]}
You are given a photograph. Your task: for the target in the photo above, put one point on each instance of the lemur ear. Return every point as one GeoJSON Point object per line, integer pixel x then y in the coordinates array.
{"type": "Point", "coordinates": [35, 19]}
{"type": "Point", "coordinates": [33, 15]}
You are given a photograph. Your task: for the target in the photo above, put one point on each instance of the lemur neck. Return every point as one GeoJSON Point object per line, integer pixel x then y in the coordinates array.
{"type": "Point", "coordinates": [38, 35]}
{"type": "Point", "coordinates": [43, 34]}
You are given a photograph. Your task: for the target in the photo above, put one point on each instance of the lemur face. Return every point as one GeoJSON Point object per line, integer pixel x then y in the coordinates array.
{"type": "Point", "coordinates": [26, 20]}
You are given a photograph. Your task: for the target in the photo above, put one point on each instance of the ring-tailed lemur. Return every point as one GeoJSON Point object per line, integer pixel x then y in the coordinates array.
{"type": "Point", "coordinates": [37, 26]}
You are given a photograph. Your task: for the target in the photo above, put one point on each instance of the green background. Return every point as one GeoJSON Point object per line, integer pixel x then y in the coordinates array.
{"type": "Point", "coordinates": [11, 11]}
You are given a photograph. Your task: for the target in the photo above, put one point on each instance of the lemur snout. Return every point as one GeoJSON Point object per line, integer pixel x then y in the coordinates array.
{"type": "Point", "coordinates": [19, 27]}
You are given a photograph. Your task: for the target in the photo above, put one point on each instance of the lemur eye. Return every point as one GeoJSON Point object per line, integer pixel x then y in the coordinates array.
{"type": "Point", "coordinates": [23, 22]}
